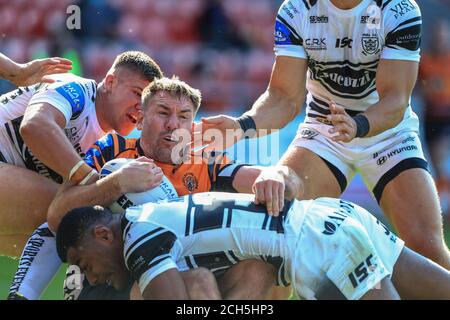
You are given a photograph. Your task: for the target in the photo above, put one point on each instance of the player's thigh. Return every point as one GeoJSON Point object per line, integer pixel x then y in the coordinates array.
{"type": "Point", "coordinates": [416, 277]}
{"type": "Point", "coordinates": [319, 176]}
{"type": "Point", "coordinates": [24, 199]}
{"type": "Point", "coordinates": [201, 284]}
{"type": "Point", "coordinates": [411, 202]}
{"type": "Point", "coordinates": [385, 290]}
{"type": "Point", "coordinates": [249, 280]}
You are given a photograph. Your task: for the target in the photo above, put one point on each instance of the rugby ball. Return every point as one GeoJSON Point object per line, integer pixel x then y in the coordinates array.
{"type": "Point", "coordinates": [164, 191]}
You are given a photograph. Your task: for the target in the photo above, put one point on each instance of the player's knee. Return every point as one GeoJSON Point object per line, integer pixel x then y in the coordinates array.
{"type": "Point", "coordinates": [431, 247]}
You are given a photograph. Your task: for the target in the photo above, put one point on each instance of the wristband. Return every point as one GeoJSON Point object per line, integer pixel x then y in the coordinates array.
{"type": "Point", "coordinates": [362, 125]}
{"type": "Point", "coordinates": [247, 123]}
{"type": "Point", "coordinates": [86, 179]}
{"type": "Point", "coordinates": [75, 169]}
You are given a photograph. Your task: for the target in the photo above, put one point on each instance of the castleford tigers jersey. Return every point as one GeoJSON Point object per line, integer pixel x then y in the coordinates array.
{"type": "Point", "coordinates": [343, 49]}
{"type": "Point", "coordinates": [205, 173]}
{"type": "Point", "coordinates": [73, 96]}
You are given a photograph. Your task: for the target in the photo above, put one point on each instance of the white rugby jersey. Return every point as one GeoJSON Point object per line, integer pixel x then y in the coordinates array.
{"type": "Point", "coordinates": [343, 48]}
{"type": "Point", "coordinates": [73, 96]}
{"type": "Point", "coordinates": [211, 230]}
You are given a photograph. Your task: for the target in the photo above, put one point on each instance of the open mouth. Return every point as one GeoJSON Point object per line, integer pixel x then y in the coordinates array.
{"type": "Point", "coordinates": [171, 138]}
{"type": "Point", "coordinates": [133, 119]}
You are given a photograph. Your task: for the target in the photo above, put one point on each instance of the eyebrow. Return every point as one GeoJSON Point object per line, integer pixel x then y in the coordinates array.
{"type": "Point", "coordinates": [164, 106]}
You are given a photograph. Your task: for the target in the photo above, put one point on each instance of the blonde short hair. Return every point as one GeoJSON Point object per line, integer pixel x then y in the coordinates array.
{"type": "Point", "coordinates": [175, 87]}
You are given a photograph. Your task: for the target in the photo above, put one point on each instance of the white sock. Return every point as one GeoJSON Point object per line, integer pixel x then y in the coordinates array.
{"type": "Point", "coordinates": [38, 265]}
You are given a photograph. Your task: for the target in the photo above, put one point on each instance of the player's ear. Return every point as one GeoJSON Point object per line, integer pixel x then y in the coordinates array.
{"type": "Point", "coordinates": [140, 119]}
{"type": "Point", "coordinates": [109, 82]}
{"type": "Point", "coordinates": [103, 233]}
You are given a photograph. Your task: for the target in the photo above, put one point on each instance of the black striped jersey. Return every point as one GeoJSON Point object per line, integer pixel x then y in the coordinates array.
{"type": "Point", "coordinates": [343, 48]}
{"type": "Point", "coordinates": [203, 172]}
{"type": "Point", "coordinates": [73, 96]}
{"type": "Point", "coordinates": [211, 230]}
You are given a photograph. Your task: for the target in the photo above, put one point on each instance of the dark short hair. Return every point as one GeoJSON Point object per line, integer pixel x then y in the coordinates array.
{"type": "Point", "coordinates": [75, 224]}
{"type": "Point", "coordinates": [139, 62]}
{"type": "Point", "coordinates": [175, 87]}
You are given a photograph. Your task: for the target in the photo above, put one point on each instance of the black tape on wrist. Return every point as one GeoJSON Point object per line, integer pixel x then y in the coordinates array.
{"type": "Point", "coordinates": [247, 123]}
{"type": "Point", "coordinates": [362, 125]}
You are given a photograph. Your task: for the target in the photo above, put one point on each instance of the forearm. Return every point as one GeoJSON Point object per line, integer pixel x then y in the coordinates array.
{"type": "Point", "coordinates": [8, 68]}
{"type": "Point", "coordinates": [102, 192]}
{"type": "Point", "coordinates": [386, 114]}
{"type": "Point", "coordinates": [48, 143]}
{"type": "Point", "coordinates": [273, 110]}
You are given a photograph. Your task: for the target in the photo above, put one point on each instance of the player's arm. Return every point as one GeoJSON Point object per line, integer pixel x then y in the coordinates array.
{"type": "Point", "coordinates": [395, 82]}
{"type": "Point", "coordinates": [42, 130]}
{"type": "Point", "coordinates": [168, 285]}
{"type": "Point", "coordinates": [32, 72]}
{"type": "Point", "coordinates": [137, 176]}
{"type": "Point", "coordinates": [276, 107]}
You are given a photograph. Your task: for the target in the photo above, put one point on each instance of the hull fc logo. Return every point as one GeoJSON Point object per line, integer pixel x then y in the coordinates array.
{"type": "Point", "coordinates": [370, 44]}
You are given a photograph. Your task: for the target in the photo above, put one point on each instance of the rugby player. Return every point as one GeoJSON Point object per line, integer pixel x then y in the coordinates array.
{"type": "Point", "coordinates": [26, 74]}
{"type": "Point", "coordinates": [169, 105]}
{"type": "Point", "coordinates": [327, 248]}
{"type": "Point", "coordinates": [46, 130]}
{"type": "Point", "coordinates": [358, 61]}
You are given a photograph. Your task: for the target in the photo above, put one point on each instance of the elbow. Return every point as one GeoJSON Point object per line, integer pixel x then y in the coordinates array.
{"type": "Point", "coordinates": [30, 128]}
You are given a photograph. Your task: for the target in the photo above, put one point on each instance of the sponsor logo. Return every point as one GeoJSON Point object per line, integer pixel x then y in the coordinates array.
{"type": "Point", "coordinates": [400, 9]}
{"type": "Point", "coordinates": [407, 38]}
{"type": "Point", "coordinates": [409, 139]}
{"type": "Point", "coordinates": [344, 43]}
{"type": "Point", "coordinates": [318, 19]}
{"type": "Point", "coordinates": [335, 220]}
{"type": "Point", "coordinates": [370, 20]}
{"type": "Point", "coordinates": [316, 44]}
{"type": "Point", "coordinates": [73, 93]}
{"type": "Point", "coordinates": [382, 160]}
{"type": "Point", "coordinates": [190, 182]}
{"type": "Point", "coordinates": [343, 79]}
{"type": "Point", "coordinates": [370, 44]}
{"type": "Point", "coordinates": [308, 134]}
{"type": "Point", "coordinates": [282, 34]}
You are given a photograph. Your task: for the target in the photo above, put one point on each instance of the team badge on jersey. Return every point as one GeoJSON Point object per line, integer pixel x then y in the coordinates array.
{"type": "Point", "coordinates": [370, 44]}
{"type": "Point", "coordinates": [190, 182]}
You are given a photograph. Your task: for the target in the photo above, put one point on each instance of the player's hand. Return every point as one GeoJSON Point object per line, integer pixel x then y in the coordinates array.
{"type": "Point", "coordinates": [38, 70]}
{"type": "Point", "coordinates": [218, 132]}
{"type": "Point", "coordinates": [138, 175]}
{"type": "Point", "coordinates": [269, 189]}
{"type": "Point", "coordinates": [344, 127]}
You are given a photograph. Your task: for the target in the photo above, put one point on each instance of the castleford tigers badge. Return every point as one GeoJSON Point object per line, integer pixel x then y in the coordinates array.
{"type": "Point", "coordinates": [190, 182]}
{"type": "Point", "coordinates": [370, 44]}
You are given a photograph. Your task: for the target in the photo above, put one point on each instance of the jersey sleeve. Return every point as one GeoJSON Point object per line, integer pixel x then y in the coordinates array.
{"type": "Point", "coordinates": [147, 252]}
{"type": "Point", "coordinates": [68, 96]}
{"type": "Point", "coordinates": [221, 170]}
{"type": "Point", "coordinates": [403, 31]}
{"type": "Point", "coordinates": [288, 40]}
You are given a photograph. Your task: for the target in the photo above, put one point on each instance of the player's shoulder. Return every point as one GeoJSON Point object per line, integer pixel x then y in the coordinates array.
{"type": "Point", "coordinates": [116, 144]}
{"type": "Point", "coordinates": [398, 9]}
{"type": "Point", "coordinates": [298, 6]}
